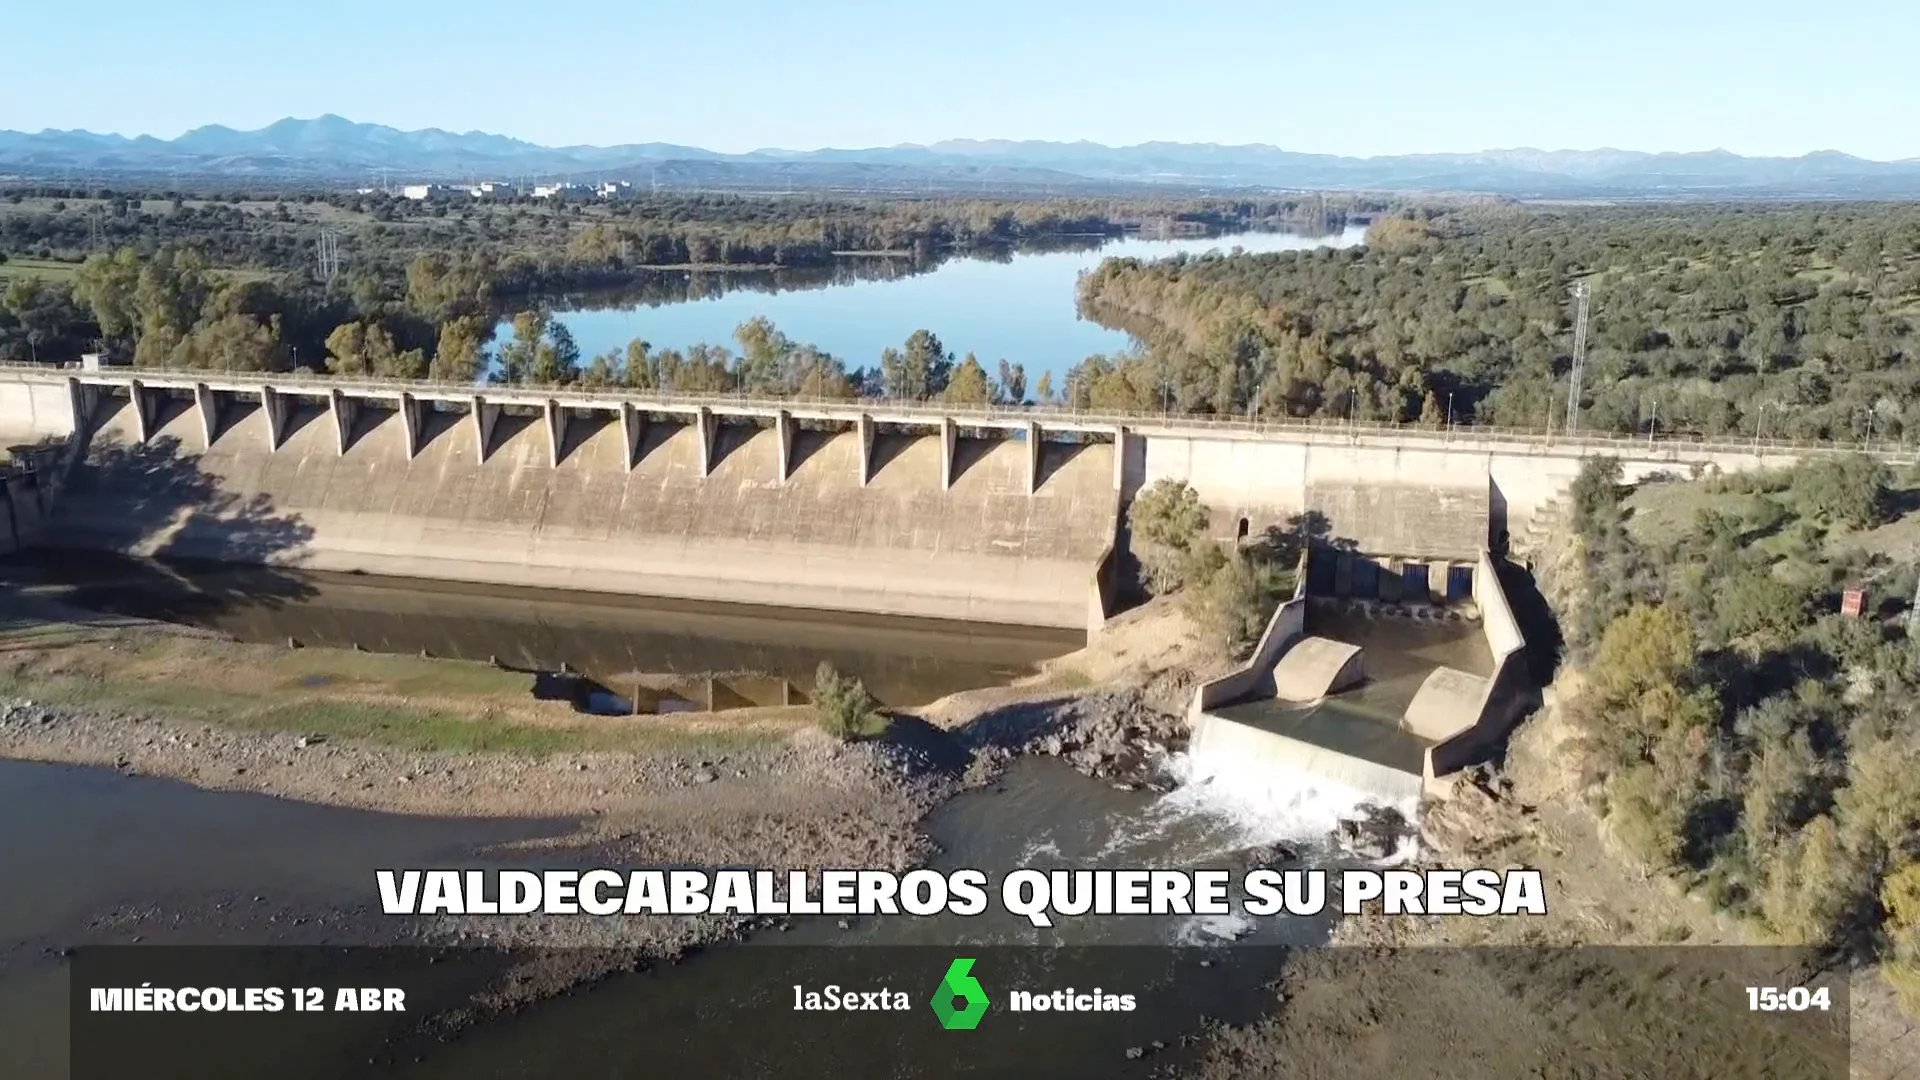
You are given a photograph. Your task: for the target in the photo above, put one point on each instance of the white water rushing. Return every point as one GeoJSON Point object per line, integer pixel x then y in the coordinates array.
{"type": "Point", "coordinates": [1224, 806]}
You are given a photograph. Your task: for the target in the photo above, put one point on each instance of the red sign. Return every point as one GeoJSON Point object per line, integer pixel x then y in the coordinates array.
{"type": "Point", "coordinates": [1852, 601]}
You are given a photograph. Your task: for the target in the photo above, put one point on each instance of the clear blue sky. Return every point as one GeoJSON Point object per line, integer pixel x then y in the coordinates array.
{"type": "Point", "coordinates": [1390, 76]}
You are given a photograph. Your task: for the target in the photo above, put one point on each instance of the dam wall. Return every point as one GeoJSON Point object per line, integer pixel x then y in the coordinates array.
{"type": "Point", "coordinates": [1507, 695]}
{"type": "Point", "coordinates": [1272, 768]}
{"type": "Point", "coordinates": [699, 507]}
{"type": "Point", "coordinates": [1003, 515]}
{"type": "Point", "coordinates": [1396, 495]}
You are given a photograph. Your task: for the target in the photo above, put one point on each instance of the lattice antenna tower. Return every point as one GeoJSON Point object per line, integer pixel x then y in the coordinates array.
{"type": "Point", "coordinates": [1579, 355]}
{"type": "Point", "coordinates": [329, 254]}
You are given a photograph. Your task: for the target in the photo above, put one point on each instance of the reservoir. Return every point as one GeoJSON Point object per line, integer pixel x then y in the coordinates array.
{"type": "Point", "coordinates": [1019, 308]}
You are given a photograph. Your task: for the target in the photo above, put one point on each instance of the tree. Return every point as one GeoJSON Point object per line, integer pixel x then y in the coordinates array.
{"type": "Point", "coordinates": [47, 314]}
{"type": "Point", "coordinates": [347, 349]}
{"type": "Point", "coordinates": [1645, 649]}
{"type": "Point", "coordinates": [640, 370]}
{"type": "Point", "coordinates": [439, 288]}
{"type": "Point", "coordinates": [924, 367]}
{"type": "Point", "coordinates": [231, 343]}
{"type": "Point", "coordinates": [845, 708]}
{"type": "Point", "coordinates": [518, 355]}
{"type": "Point", "coordinates": [1809, 886]}
{"type": "Point", "coordinates": [1043, 390]}
{"type": "Point", "coordinates": [764, 351]}
{"type": "Point", "coordinates": [1011, 387]}
{"type": "Point", "coordinates": [822, 375]}
{"type": "Point", "coordinates": [1596, 495]}
{"type": "Point", "coordinates": [968, 385]}
{"type": "Point", "coordinates": [556, 360]}
{"type": "Point", "coordinates": [1847, 490]}
{"type": "Point", "coordinates": [1236, 598]}
{"type": "Point", "coordinates": [603, 371]}
{"type": "Point", "coordinates": [461, 354]}
{"type": "Point", "coordinates": [106, 284]}
{"type": "Point", "coordinates": [1754, 602]}
{"type": "Point", "coordinates": [1900, 898]}
{"type": "Point", "coordinates": [1168, 523]}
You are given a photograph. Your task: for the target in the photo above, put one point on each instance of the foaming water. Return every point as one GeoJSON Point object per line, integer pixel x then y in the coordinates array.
{"type": "Point", "coordinates": [1258, 802]}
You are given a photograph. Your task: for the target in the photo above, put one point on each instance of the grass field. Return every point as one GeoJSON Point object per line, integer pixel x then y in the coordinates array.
{"type": "Point", "coordinates": [400, 701]}
{"type": "Point", "coordinates": [47, 269]}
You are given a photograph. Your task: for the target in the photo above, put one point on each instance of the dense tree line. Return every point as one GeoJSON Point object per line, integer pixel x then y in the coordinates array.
{"type": "Point", "coordinates": [1782, 320]}
{"type": "Point", "coordinates": [1735, 727]}
{"type": "Point", "coordinates": [539, 245]}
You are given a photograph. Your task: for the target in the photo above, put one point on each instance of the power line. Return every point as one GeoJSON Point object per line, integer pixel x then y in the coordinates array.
{"type": "Point", "coordinates": [329, 254]}
{"type": "Point", "coordinates": [1579, 355]}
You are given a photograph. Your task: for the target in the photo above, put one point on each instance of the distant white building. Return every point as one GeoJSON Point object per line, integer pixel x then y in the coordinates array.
{"type": "Point", "coordinates": [492, 189]}
{"type": "Point", "coordinates": [417, 192]}
{"type": "Point", "coordinates": [612, 190]}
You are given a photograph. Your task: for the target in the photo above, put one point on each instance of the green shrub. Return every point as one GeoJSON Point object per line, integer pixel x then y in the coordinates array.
{"type": "Point", "coordinates": [845, 708]}
{"type": "Point", "coordinates": [1596, 495]}
{"type": "Point", "coordinates": [1753, 601]}
{"type": "Point", "coordinates": [1900, 897]}
{"type": "Point", "coordinates": [1847, 490]}
{"type": "Point", "coordinates": [1236, 600]}
{"type": "Point", "coordinates": [1169, 524]}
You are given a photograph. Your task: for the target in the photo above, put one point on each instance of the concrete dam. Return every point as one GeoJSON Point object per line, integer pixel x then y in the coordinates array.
{"type": "Point", "coordinates": [1007, 516]}
{"type": "Point", "coordinates": [989, 515]}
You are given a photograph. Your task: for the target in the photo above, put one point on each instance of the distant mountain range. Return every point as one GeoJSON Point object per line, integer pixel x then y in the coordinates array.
{"type": "Point", "coordinates": [332, 150]}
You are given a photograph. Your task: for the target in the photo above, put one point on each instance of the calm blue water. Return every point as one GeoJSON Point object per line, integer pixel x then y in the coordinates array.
{"type": "Point", "coordinates": [1021, 310]}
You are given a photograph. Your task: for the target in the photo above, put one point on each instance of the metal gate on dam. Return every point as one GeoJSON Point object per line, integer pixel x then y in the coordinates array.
{"type": "Point", "coordinates": [991, 515]}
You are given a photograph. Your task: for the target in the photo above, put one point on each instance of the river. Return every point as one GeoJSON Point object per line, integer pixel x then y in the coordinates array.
{"type": "Point", "coordinates": [1019, 308]}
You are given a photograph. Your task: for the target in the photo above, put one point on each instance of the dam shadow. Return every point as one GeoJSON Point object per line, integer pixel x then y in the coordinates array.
{"type": "Point", "coordinates": [231, 414]}
{"type": "Point", "coordinates": [659, 432]}
{"type": "Point", "coordinates": [731, 439]}
{"type": "Point", "coordinates": [164, 505]}
{"type": "Point", "coordinates": [969, 451]}
{"type": "Point", "coordinates": [1056, 456]}
{"type": "Point", "coordinates": [436, 421]}
{"type": "Point", "coordinates": [367, 419]}
{"type": "Point", "coordinates": [507, 426]}
{"type": "Point", "coordinates": [1545, 643]}
{"type": "Point", "coordinates": [806, 443]}
{"type": "Point", "coordinates": [300, 413]}
{"type": "Point", "coordinates": [580, 428]}
{"type": "Point", "coordinates": [888, 446]}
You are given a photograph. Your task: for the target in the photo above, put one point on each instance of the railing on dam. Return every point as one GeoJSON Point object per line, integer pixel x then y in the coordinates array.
{"type": "Point", "coordinates": [910, 412]}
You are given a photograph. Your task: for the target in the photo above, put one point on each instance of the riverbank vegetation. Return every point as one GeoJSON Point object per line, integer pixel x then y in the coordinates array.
{"type": "Point", "coordinates": [1737, 727]}
{"type": "Point", "coordinates": [1750, 320]}
{"type": "Point", "coordinates": [845, 708]}
{"type": "Point", "coordinates": [1229, 591]}
{"type": "Point", "coordinates": [568, 243]}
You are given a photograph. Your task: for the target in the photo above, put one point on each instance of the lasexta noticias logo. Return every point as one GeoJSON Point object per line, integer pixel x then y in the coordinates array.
{"type": "Point", "coordinates": [960, 1002]}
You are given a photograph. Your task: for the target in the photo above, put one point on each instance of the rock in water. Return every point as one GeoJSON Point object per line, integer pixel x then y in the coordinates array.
{"type": "Point", "coordinates": [1376, 833]}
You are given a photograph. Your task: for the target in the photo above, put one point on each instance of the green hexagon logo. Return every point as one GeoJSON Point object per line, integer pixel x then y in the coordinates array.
{"type": "Point", "coordinates": [959, 984]}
